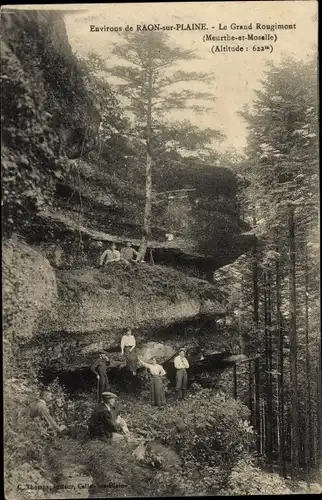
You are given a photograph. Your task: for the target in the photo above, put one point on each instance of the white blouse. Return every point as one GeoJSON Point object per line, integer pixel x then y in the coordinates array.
{"type": "Point", "coordinates": [128, 340]}
{"type": "Point", "coordinates": [154, 369]}
{"type": "Point", "coordinates": [180, 362]}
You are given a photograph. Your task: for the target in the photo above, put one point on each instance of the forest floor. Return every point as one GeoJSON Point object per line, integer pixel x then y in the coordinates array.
{"type": "Point", "coordinates": [74, 462]}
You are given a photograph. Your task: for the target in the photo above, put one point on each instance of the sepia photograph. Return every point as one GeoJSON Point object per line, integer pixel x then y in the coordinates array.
{"type": "Point", "coordinates": [160, 249]}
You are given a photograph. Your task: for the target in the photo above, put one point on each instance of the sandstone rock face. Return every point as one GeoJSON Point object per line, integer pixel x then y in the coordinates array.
{"type": "Point", "coordinates": [111, 300]}
{"type": "Point", "coordinates": [29, 288]}
{"type": "Point", "coordinates": [101, 311]}
{"type": "Point", "coordinates": [65, 317]}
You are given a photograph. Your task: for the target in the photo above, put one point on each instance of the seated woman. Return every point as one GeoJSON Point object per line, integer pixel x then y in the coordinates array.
{"type": "Point", "coordinates": [128, 349]}
{"type": "Point", "coordinates": [157, 388]}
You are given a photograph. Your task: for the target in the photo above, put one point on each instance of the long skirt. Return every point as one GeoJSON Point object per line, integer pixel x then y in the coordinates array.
{"type": "Point", "coordinates": [157, 391]}
{"type": "Point", "coordinates": [131, 359]}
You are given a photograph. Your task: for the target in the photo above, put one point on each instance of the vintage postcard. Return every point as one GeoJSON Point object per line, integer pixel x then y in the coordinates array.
{"type": "Point", "coordinates": [160, 254]}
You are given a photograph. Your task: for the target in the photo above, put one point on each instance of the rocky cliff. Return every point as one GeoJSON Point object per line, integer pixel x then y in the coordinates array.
{"type": "Point", "coordinates": [61, 208]}
{"type": "Point", "coordinates": [67, 208]}
{"type": "Point", "coordinates": [61, 316]}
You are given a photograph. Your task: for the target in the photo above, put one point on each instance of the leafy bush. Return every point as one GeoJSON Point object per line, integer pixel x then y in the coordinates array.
{"type": "Point", "coordinates": [204, 426]}
{"type": "Point", "coordinates": [208, 432]}
{"type": "Point", "coordinates": [190, 447]}
{"type": "Point", "coordinates": [246, 479]}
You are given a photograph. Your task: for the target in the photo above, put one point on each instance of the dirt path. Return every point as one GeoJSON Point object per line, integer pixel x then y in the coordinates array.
{"type": "Point", "coordinates": [75, 484]}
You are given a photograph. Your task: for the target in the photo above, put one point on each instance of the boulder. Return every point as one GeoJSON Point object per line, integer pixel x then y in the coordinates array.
{"type": "Point", "coordinates": [154, 349]}
{"type": "Point", "coordinates": [29, 288]}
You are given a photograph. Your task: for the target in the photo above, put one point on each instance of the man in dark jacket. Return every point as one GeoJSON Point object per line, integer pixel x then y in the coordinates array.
{"type": "Point", "coordinates": [99, 367]}
{"type": "Point", "coordinates": [104, 420]}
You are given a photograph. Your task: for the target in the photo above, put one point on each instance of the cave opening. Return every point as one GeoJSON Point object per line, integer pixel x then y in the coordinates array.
{"type": "Point", "coordinates": [197, 334]}
{"type": "Point", "coordinates": [79, 381]}
{"type": "Point", "coordinates": [82, 380]}
{"type": "Point", "coordinates": [207, 362]}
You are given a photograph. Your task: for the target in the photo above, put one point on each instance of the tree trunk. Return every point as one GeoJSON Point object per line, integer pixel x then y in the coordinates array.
{"type": "Point", "coordinates": [266, 367]}
{"type": "Point", "coordinates": [319, 413]}
{"type": "Point", "coordinates": [255, 281]}
{"type": "Point", "coordinates": [264, 428]}
{"type": "Point", "coordinates": [251, 391]}
{"type": "Point", "coordinates": [148, 168]}
{"type": "Point", "coordinates": [293, 347]}
{"type": "Point", "coordinates": [257, 406]}
{"type": "Point", "coordinates": [235, 381]}
{"type": "Point", "coordinates": [270, 369]}
{"type": "Point", "coordinates": [280, 407]}
{"type": "Point", "coordinates": [308, 405]}
{"type": "Point", "coordinates": [256, 323]}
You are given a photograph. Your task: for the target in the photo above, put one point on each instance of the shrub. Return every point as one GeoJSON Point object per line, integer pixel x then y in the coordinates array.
{"type": "Point", "coordinates": [208, 432]}
{"type": "Point", "coordinates": [25, 440]}
{"type": "Point", "coordinates": [206, 427]}
{"type": "Point", "coordinates": [246, 479]}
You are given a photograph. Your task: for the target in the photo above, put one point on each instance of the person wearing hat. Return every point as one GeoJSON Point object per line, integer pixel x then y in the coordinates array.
{"type": "Point", "coordinates": [99, 367]}
{"type": "Point", "coordinates": [104, 421]}
{"type": "Point", "coordinates": [181, 364]}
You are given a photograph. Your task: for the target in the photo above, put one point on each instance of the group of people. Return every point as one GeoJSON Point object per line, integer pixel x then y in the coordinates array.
{"type": "Point", "coordinates": [156, 370]}
{"type": "Point", "coordinates": [125, 254]}
{"type": "Point", "coordinates": [104, 421]}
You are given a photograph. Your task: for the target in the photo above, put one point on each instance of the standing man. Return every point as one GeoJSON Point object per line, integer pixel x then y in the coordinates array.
{"type": "Point", "coordinates": [128, 253]}
{"type": "Point", "coordinates": [100, 370]}
{"type": "Point", "coordinates": [181, 364]}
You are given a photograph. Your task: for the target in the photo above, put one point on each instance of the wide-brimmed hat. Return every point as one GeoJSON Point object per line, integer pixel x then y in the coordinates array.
{"type": "Point", "coordinates": [109, 395]}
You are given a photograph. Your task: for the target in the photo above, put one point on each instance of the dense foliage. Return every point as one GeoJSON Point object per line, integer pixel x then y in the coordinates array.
{"type": "Point", "coordinates": [43, 114]}
{"type": "Point", "coordinates": [274, 290]}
